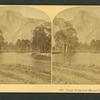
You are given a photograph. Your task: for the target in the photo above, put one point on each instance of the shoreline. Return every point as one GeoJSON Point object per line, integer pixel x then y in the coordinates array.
{"type": "Point", "coordinates": [75, 52]}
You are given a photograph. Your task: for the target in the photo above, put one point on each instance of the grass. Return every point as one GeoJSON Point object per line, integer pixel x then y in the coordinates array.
{"type": "Point", "coordinates": [22, 74]}
{"type": "Point", "coordinates": [75, 73]}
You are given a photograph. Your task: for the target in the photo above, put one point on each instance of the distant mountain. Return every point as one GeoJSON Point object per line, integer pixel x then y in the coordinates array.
{"type": "Point", "coordinates": [85, 23]}
{"type": "Point", "coordinates": [58, 24]}
{"type": "Point", "coordinates": [15, 26]}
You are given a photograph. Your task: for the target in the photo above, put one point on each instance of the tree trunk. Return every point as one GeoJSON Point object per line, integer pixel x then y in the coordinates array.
{"type": "Point", "coordinates": [65, 47]}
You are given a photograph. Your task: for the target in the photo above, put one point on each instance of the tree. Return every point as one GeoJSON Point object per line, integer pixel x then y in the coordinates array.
{"type": "Point", "coordinates": [42, 39]}
{"type": "Point", "coordinates": [67, 37]}
{"type": "Point", "coordinates": [23, 45]}
{"type": "Point", "coordinates": [1, 40]}
{"type": "Point", "coordinates": [26, 44]}
{"type": "Point", "coordinates": [97, 44]}
{"type": "Point", "coordinates": [93, 44]}
{"type": "Point", "coordinates": [11, 46]}
{"type": "Point", "coordinates": [71, 39]}
{"type": "Point", "coordinates": [19, 44]}
{"type": "Point", "coordinates": [60, 39]}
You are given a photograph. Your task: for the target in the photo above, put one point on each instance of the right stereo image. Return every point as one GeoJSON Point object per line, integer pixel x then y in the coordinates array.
{"type": "Point", "coordinates": [76, 46]}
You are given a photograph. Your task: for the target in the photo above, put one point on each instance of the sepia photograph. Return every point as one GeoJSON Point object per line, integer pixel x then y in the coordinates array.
{"type": "Point", "coordinates": [49, 48]}
{"type": "Point", "coordinates": [76, 46]}
{"type": "Point", "coordinates": [25, 46]}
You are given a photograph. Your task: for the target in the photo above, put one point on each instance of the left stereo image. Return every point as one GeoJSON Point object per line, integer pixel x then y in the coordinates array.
{"type": "Point", "coordinates": [25, 46]}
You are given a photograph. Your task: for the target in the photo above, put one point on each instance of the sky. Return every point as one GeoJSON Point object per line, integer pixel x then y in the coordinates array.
{"type": "Point", "coordinates": [27, 12]}
{"type": "Point", "coordinates": [48, 12]}
{"type": "Point", "coordinates": [69, 14]}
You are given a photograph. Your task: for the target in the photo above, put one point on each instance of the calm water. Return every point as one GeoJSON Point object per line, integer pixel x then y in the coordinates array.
{"type": "Point", "coordinates": [78, 58]}
{"type": "Point", "coordinates": [22, 58]}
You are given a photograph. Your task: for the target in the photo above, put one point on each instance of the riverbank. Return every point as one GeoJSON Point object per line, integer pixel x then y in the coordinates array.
{"type": "Point", "coordinates": [22, 74]}
{"type": "Point", "coordinates": [78, 51]}
{"type": "Point", "coordinates": [75, 73]}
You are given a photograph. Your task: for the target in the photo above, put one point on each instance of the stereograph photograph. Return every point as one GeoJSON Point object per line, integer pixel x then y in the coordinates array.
{"type": "Point", "coordinates": [76, 46]}
{"type": "Point", "coordinates": [25, 46]}
{"type": "Point", "coordinates": [36, 48]}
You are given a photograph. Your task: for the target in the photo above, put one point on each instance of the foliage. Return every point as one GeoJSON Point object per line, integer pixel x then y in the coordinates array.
{"type": "Point", "coordinates": [67, 37]}
{"type": "Point", "coordinates": [42, 39]}
{"type": "Point", "coordinates": [23, 45]}
{"type": "Point", "coordinates": [1, 40]}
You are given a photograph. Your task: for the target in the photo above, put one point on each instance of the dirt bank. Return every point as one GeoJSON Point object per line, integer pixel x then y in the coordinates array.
{"type": "Point", "coordinates": [75, 74]}
{"type": "Point", "coordinates": [21, 74]}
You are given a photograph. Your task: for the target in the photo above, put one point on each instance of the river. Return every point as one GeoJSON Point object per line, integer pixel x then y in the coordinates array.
{"type": "Point", "coordinates": [22, 58]}
{"type": "Point", "coordinates": [78, 58]}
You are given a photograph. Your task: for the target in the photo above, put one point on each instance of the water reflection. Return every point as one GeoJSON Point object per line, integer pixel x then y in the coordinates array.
{"type": "Point", "coordinates": [78, 58]}
{"type": "Point", "coordinates": [22, 58]}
